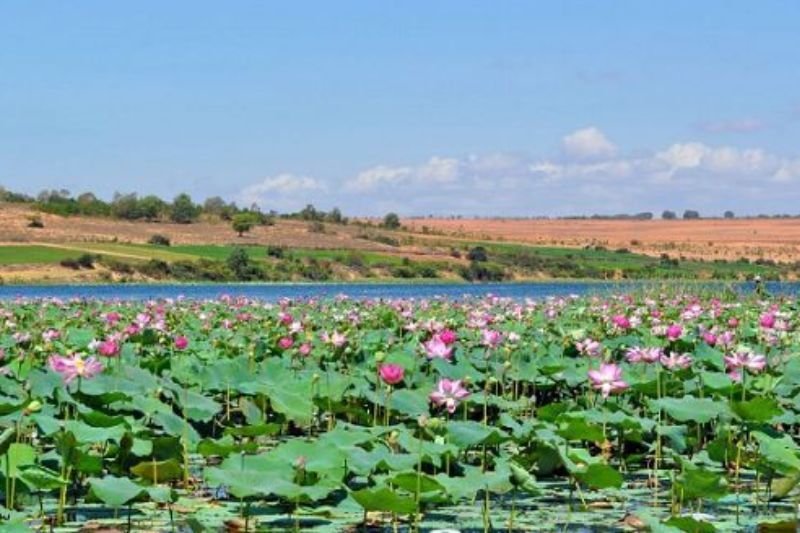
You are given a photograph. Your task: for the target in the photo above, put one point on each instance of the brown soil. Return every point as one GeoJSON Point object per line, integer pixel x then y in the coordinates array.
{"type": "Point", "coordinates": [777, 239]}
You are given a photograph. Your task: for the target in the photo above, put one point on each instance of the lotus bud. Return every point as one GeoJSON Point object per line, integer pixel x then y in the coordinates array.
{"type": "Point", "coordinates": [315, 377]}
{"type": "Point", "coordinates": [379, 356]}
{"type": "Point", "coordinates": [33, 407]}
{"type": "Point", "coordinates": [493, 380]}
{"type": "Point", "coordinates": [393, 436]}
{"type": "Point", "coordinates": [423, 420]}
{"type": "Point", "coordinates": [435, 423]}
{"type": "Point", "coordinates": [507, 365]}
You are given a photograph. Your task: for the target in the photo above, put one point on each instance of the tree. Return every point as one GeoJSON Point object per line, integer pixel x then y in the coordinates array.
{"type": "Point", "coordinates": [391, 221]}
{"type": "Point", "coordinates": [152, 208]}
{"type": "Point", "coordinates": [183, 210]}
{"type": "Point", "coordinates": [243, 222]}
{"type": "Point", "coordinates": [335, 216]}
{"type": "Point", "coordinates": [478, 254]}
{"type": "Point", "coordinates": [669, 215]}
{"type": "Point", "coordinates": [214, 205]}
{"type": "Point", "coordinates": [729, 214]}
{"type": "Point", "coordinates": [125, 206]}
{"type": "Point", "coordinates": [243, 269]}
{"type": "Point", "coordinates": [691, 214]}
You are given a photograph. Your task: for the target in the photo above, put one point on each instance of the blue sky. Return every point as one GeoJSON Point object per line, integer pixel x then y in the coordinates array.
{"type": "Point", "coordinates": [488, 108]}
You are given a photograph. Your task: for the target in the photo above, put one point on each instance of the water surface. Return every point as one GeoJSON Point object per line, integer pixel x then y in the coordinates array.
{"type": "Point", "coordinates": [272, 292]}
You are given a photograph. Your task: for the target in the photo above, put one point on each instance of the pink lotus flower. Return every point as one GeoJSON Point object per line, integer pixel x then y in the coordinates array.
{"type": "Point", "coordinates": [108, 348]}
{"type": "Point", "coordinates": [75, 366]}
{"type": "Point", "coordinates": [448, 336]}
{"type": "Point", "coordinates": [449, 393]}
{"type": "Point", "coordinates": [491, 338]}
{"type": "Point", "coordinates": [391, 374]}
{"type": "Point", "coordinates": [674, 332]}
{"type": "Point", "coordinates": [675, 361]}
{"type": "Point", "coordinates": [733, 322]}
{"type": "Point", "coordinates": [710, 338]}
{"type": "Point", "coordinates": [338, 339]}
{"type": "Point", "coordinates": [181, 343]}
{"type": "Point", "coordinates": [767, 321]}
{"type": "Point", "coordinates": [285, 343]}
{"type": "Point", "coordinates": [436, 348]}
{"type": "Point", "coordinates": [113, 317]}
{"type": "Point", "coordinates": [753, 363]}
{"type": "Point", "coordinates": [589, 347]}
{"type": "Point", "coordinates": [51, 335]}
{"type": "Point", "coordinates": [621, 321]}
{"type": "Point", "coordinates": [637, 354]}
{"type": "Point", "coordinates": [726, 338]}
{"type": "Point", "coordinates": [305, 348]}
{"type": "Point", "coordinates": [607, 379]}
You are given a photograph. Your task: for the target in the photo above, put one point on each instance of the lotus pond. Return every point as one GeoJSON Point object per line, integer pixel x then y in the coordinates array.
{"type": "Point", "coordinates": [644, 411]}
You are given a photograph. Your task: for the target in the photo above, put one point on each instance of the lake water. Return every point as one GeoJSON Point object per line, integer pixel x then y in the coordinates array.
{"type": "Point", "coordinates": [272, 292]}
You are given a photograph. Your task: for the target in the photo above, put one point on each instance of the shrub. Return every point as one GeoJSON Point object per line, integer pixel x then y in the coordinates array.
{"type": "Point", "coordinates": [87, 260]}
{"type": "Point", "coordinates": [241, 266]}
{"type": "Point", "coordinates": [155, 268]}
{"type": "Point", "coordinates": [159, 240]}
{"type": "Point", "coordinates": [278, 252]}
{"type": "Point", "coordinates": [669, 215]}
{"type": "Point", "coordinates": [70, 263]}
{"type": "Point", "coordinates": [482, 272]}
{"type": "Point", "coordinates": [316, 227]}
{"type": "Point", "coordinates": [391, 221]}
{"type": "Point", "coordinates": [35, 221]}
{"type": "Point", "coordinates": [478, 254]}
{"type": "Point", "coordinates": [120, 267]}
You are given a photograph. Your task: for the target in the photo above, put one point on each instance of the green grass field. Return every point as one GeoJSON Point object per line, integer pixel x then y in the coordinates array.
{"type": "Point", "coordinates": [32, 254]}
{"type": "Point", "coordinates": [523, 260]}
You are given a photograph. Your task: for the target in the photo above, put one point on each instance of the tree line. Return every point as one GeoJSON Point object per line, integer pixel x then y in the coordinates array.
{"type": "Point", "coordinates": [151, 208]}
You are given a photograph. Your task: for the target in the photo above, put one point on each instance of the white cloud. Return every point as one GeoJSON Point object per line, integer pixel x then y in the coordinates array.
{"type": "Point", "coordinates": [439, 170]}
{"type": "Point", "coordinates": [788, 171]}
{"type": "Point", "coordinates": [595, 177]}
{"type": "Point", "coordinates": [587, 143]}
{"type": "Point", "coordinates": [687, 155]}
{"type": "Point", "coordinates": [281, 190]}
{"type": "Point", "coordinates": [375, 177]}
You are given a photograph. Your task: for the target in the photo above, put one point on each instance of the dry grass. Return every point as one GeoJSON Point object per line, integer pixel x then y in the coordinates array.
{"type": "Point", "coordinates": [777, 239]}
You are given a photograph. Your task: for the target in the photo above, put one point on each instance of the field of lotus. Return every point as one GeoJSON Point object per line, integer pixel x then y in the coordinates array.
{"type": "Point", "coordinates": [647, 411]}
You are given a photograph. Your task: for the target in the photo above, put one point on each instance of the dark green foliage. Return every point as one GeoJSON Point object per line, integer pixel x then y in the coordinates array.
{"type": "Point", "coordinates": [243, 223]}
{"type": "Point", "coordinates": [242, 267]}
{"type": "Point", "coordinates": [391, 221]}
{"type": "Point", "coordinates": [482, 271]}
{"type": "Point", "coordinates": [478, 254]}
{"type": "Point", "coordinates": [276, 252]}
{"type": "Point", "coordinates": [35, 221]}
{"type": "Point", "coordinates": [159, 240]}
{"type": "Point", "coordinates": [183, 210]}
